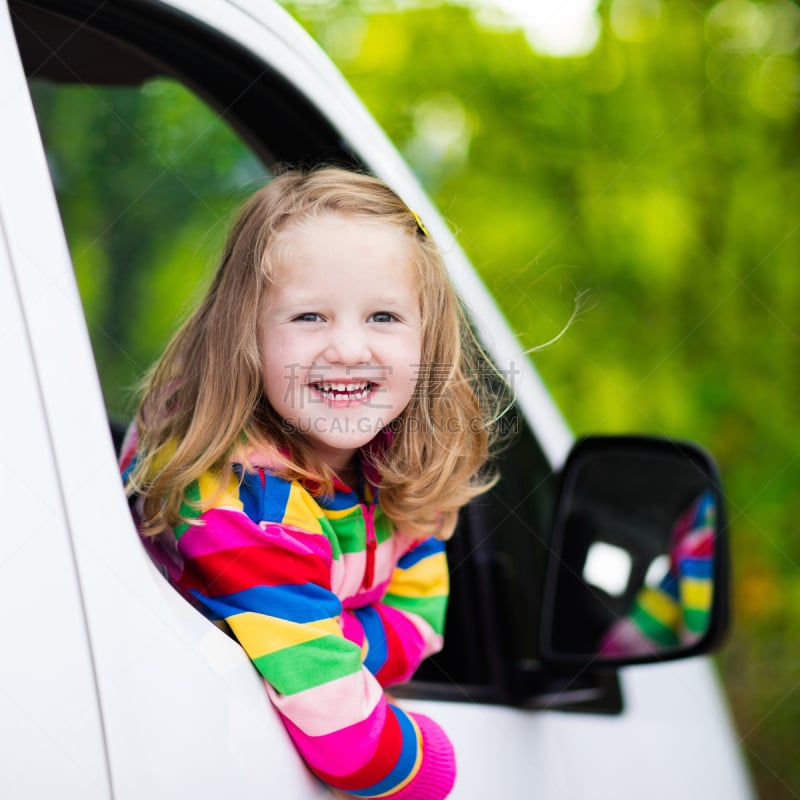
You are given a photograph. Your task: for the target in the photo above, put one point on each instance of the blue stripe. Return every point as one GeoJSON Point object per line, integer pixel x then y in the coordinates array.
{"type": "Point", "coordinates": [339, 502]}
{"type": "Point", "coordinates": [263, 502]}
{"type": "Point", "coordinates": [250, 493]}
{"type": "Point", "coordinates": [669, 585]}
{"type": "Point", "coordinates": [268, 502]}
{"type": "Point", "coordinates": [706, 511]}
{"type": "Point", "coordinates": [405, 763]}
{"type": "Point", "coordinates": [298, 603]}
{"type": "Point", "coordinates": [702, 568]}
{"type": "Point", "coordinates": [129, 470]}
{"type": "Point", "coordinates": [371, 621]}
{"type": "Point", "coordinates": [274, 498]}
{"type": "Point", "coordinates": [428, 548]}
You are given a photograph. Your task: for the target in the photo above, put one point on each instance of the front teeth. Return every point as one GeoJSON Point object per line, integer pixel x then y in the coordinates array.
{"type": "Point", "coordinates": [341, 391]}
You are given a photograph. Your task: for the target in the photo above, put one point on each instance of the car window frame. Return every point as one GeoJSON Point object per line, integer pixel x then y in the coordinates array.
{"type": "Point", "coordinates": [511, 673]}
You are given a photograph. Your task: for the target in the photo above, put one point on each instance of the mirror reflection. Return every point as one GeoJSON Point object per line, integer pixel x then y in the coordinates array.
{"type": "Point", "coordinates": [672, 606]}
{"type": "Point", "coordinates": [636, 546]}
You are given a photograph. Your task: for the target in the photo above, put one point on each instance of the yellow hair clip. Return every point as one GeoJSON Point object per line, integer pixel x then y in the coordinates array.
{"type": "Point", "coordinates": [419, 223]}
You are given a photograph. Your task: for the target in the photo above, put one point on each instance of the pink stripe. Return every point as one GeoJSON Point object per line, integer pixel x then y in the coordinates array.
{"type": "Point", "coordinates": [433, 641]}
{"type": "Point", "coordinates": [228, 528]}
{"type": "Point", "coordinates": [347, 574]}
{"type": "Point", "coordinates": [374, 595]}
{"type": "Point", "coordinates": [343, 751]}
{"type": "Point", "coordinates": [128, 450]}
{"type": "Point", "coordinates": [331, 706]}
{"type": "Point", "coordinates": [438, 772]}
{"type": "Point", "coordinates": [385, 560]}
{"type": "Point", "coordinates": [405, 646]}
{"type": "Point", "coordinates": [336, 577]}
{"type": "Point", "coordinates": [351, 628]}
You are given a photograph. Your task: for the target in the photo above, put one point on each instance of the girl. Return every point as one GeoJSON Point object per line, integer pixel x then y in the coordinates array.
{"type": "Point", "coordinates": [300, 455]}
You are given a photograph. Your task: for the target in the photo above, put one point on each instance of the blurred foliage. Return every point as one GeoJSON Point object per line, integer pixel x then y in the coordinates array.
{"type": "Point", "coordinates": [144, 208]}
{"type": "Point", "coordinates": [659, 172]}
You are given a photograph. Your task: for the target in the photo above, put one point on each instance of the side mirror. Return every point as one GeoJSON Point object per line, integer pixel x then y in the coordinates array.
{"type": "Point", "coordinates": [638, 570]}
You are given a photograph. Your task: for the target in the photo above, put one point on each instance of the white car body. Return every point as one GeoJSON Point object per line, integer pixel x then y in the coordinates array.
{"type": "Point", "coordinates": [110, 684]}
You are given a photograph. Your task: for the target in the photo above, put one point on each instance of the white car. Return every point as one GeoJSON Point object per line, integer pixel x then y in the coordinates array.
{"type": "Point", "coordinates": [110, 684]}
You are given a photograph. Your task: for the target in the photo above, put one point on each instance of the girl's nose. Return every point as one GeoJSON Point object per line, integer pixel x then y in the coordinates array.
{"type": "Point", "coordinates": [348, 345]}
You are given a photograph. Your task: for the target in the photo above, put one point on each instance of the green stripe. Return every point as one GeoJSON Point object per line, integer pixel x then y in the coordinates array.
{"type": "Point", "coordinates": [303, 666]}
{"type": "Point", "coordinates": [431, 609]}
{"type": "Point", "coordinates": [347, 533]}
{"type": "Point", "coordinates": [695, 621]}
{"type": "Point", "coordinates": [190, 508]}
{"type": "Point", "coordinates": [330, 535]}
{"type": "Point", "coordinates": [384, 527]}
{"type": "Point", "coordinates": [652, 628]}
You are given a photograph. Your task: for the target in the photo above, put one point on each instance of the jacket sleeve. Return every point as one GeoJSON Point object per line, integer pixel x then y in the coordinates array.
{"type": "Point", "coordinates": [271, 585]}
{"type": "Point", "coordinates": [406, 626]}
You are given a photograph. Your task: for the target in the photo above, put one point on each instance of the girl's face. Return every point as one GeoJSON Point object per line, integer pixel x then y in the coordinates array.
{"type": "Point", "coordinates": [340, 332]}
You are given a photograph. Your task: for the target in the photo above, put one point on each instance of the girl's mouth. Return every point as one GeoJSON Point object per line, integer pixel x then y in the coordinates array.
{"type": "Point", "coordinates": [338, 392]}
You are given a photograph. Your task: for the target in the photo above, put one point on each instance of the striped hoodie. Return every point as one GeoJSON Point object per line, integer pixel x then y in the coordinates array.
{"type": "Point", "coordinates": [332, 605]}
{"type": "Point", "coordinates": [677, 610]}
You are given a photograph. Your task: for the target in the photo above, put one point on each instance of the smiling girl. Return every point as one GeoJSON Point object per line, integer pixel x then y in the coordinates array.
{"type": "Point", "coordinates": [300, 454]}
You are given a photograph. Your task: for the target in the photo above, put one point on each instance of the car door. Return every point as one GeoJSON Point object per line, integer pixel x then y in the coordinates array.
{"type": "Point", "coordinates": [50, 723]}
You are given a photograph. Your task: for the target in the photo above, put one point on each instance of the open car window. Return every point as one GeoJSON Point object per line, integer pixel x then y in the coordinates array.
{"type": "Point", "coordinates": [145, 209]}
{"type": "Point", "coordinates": [155, 130]}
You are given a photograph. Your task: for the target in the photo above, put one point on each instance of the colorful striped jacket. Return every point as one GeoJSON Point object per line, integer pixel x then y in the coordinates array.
{"type": "Point", "coordinates": [331, 605]}
{"type": "Point", "coordinates": [677, 610]}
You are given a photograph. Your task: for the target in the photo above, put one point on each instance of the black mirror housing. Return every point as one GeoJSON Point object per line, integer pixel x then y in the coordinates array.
{"type": "Point", "coordinates": [638, 570]}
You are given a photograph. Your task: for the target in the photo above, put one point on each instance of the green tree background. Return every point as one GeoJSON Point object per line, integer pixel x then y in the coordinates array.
{"type": "Point", "coordinates": [660, 173]}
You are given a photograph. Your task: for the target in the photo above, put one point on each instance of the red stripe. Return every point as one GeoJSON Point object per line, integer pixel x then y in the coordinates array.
{"type": "Point", "coordinates": [700, 549]}
{"type": "Point", "coordinates": [369, 564]}
{"type": "Point", "coordinates": [371, 545]}
{"type": "Point", "coordinates": [380, 765]}
{"type": "Point", "coordinates": [396, 665]}
{"type": "Point", "coordinates": [241, 568]}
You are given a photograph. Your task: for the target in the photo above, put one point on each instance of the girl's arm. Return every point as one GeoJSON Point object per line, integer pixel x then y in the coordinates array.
{"type": "Point", "coordinates": [271, 586]}
{"type": "Point", "coordinates": [404, 628]}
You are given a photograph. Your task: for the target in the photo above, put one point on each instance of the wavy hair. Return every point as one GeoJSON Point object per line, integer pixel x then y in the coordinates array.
{"type": "Point", "coordinates": [203, 405]}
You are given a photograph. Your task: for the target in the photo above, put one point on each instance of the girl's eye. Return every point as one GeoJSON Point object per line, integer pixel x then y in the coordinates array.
{"type": "Point", "coordinates": [383, 316]}
{"type": "Point", "coordinates": [311, 316]}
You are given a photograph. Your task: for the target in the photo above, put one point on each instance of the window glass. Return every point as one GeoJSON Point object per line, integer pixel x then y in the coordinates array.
{"type": "Point", "coordinates": [147, 178]}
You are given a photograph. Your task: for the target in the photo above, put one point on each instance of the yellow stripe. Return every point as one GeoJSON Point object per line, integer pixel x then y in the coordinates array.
{"type": "Point", "coordinates": [261, 635]}
{"type": "Point", "coordinates": [660, 606]}
{"type": "Point", "coordinates": [303, 504]}
{"type": "Point", "coordinates": [300, 513]}
{"type": "Point", "coordinates": [332, 513]}
{"type": "Point", "coordinates": [164, 457]}
{"type": "Point", "coordinates": [427, 578]}
{"type": "Point", "coordinates": [696, 593]}
{"type": "Point", "coordinates": [213, 493]}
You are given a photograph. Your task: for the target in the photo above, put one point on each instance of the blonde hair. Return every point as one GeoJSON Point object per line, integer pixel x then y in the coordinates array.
{"type": "Point", "coordinates": [203, 404]}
